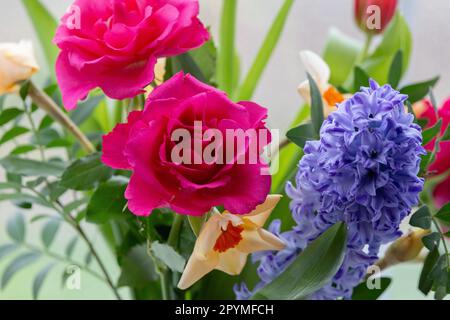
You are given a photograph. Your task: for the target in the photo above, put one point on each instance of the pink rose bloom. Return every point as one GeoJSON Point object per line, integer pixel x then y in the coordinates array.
{"type": "Point", "coordinates": [145, 144]}
{"type": "Point", "coordinates": [442, 163]}
{"type": "Point", "coordinates": [114, 44]}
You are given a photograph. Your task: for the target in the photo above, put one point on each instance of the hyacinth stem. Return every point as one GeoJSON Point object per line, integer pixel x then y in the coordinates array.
{"type": "Point", "coordinates": [43, 101]}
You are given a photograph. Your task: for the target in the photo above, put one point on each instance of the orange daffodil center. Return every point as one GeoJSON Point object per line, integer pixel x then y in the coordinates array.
{"type": "Point", "coordinates": [229, 238]}
{"type": "Point", "coordinates": [226, 240]}
{"type": "Point", "coordinates": [332, 96]}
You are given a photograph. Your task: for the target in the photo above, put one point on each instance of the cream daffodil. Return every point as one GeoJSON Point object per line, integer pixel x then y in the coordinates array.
{"type": "Point", "coordinates": [320, 72]}
{"type": "Point", "coordinates": [226, 240]}
{"type": "Point", "coordinates": [17, 63]}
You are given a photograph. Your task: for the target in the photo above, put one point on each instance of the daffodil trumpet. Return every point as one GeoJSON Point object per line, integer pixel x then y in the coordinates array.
{"type": "Point", "coordinates": [226, 240]}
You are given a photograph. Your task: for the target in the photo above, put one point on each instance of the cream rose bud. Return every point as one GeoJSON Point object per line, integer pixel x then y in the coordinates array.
{"type": "Point", "coordinates": [17, 63]}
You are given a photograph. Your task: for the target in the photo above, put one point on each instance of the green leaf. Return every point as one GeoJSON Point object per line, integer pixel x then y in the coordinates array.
{"type": "Point", "coordinates": [421, 218]}
{"type": "Point", "coordinates": [13, 133]}
{"type": "Point", "coordinates": [107, 202]}
{"type": "Point", "coordinates": [88, 258]}
{"type": "Point", "coordinates": [45, 26]}
{"type": "Point", "coordinates": [301, 134]}
{"type": "Point", "coordinates": [362, 292]}
{"type": "Point", "coordinates": [341, 52]}
{"type": "Point", "coordinates": [9, 114]}
{"type": "Point", "coordinates": [15, 227]}
{"type": "Point", "coordinates": [425, 161]}
{"type": "Point", "coordinates": [138, 269]}
{"type": "Point", "coordinates": [361, 79]}
{"type": "Point", "coordinates": [49, 232]}
{"type": "Point", "coordinates": [86, 173]}
{"type": "Point", "coordinates": [432, 240]}
{"type": "Point", "coordinates": [46, 122]}
{"type": "Point", "coordinates": [27, 167]}
{"type": "Point", "coordinates": [23, 149]}
{"type": "Point", "coordinates": [168, 256]}
{"type": "Point", "coordinates": [85, 109]}
{"type": "Point", "coordinates": [196, 223]}
{"type": "Point", "coordinates": [425, 282]}
{"type": "Point", "coordinates": [17, 265]}
{"type": "Point", "coordinates": [317, 116]}
{"type": "Point", "coordinates": [446, 135]}
{"type": "Point", "coordinates": [226, 52]}
{"type": "Point", "coordinates": [431, 133]}
{"type": "Point", "coordinates": [40, 278]}
{"type": "Point", "coordinates": [206, 59]}
{"type": "Point", "coordinates": [396, 70]}
{"type": "Point", "coordinates": [312, 269]}
{"type": "Point", "coordinates": [418, 91]}
{"type": "Point", "coordinates": [444, 213]}
{"type": "Point", "coordinates": [251, 80]}
{"type": "Point", "coordinates": [71, 247]}
{"type": "Point", "coordinates": [397, 37]}
{"type": "Point", "coordinates": [7, 249]}
{"type": "Point", "coordinates": [23, 198]}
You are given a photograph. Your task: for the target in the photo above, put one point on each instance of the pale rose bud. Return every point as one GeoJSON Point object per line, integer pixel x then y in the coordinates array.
{"type": "Point", "coordinates": [373, 16]}
{"type": "Point", "coordinates": [17, 63]}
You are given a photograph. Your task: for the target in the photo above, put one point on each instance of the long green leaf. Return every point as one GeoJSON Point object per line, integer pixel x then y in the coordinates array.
{"type": "Point", "coordinates": [317, 114]}
{"type": "Point", "coordinates": [226, 52]}
{"type": "Point", "coordinates": [86, 173]}
{"type": "Point", "coordinates": [251, 81]}
{"type": "Point", "coordinates": [22, 166]}
{"type": "Point", "coordinates": [312, 269]}
{"type": "Point", "coordinates": [45, 25]}
{"type": "Point", "coordinates": [15, 227]}
{"type": "Point", "coordinates": [7, 249]}
{"type": "Point", "coordinates": [18, 264]}
{"type": "Point", "coordinates": [40, 278]}
{"type": "Point", "coordinates": [418, 91]}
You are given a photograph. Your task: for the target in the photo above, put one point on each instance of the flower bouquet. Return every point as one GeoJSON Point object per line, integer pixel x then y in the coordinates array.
{"type": "Point", "coordinates": [144, 144]}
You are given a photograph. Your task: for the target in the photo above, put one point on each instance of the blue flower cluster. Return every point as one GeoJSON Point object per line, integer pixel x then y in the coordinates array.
{"type": "Point", "coordinates": [363, 171]}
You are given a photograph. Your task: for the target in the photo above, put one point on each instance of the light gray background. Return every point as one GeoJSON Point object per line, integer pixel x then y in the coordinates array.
{"type": "Point", "coordinates": [307, 28]}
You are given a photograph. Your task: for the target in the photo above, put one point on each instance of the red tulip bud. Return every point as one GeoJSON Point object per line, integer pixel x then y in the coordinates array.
{"type": "Point", "coordinates": [373, 16]}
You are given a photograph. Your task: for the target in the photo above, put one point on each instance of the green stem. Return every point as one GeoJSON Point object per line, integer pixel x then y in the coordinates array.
{"type": "Point", "coordinates": [265, 53]}
{"type": "Point", "coordinates": [443, 240]}
{"type": "Point", "coordinates": [165, 285]}
{"type": "Point", "coordinates": [44, 102]}
{"type": "Point", "coordinates": [366, 48]}
{"type": "Point", "coordinates": [225, 60]}
{"type": "Point", "coordinates": [62, 259]}
{"type": "Point", "coordinates": [175, 231]}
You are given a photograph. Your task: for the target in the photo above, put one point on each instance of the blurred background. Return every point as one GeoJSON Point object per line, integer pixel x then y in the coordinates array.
{"type": "Point", "coordinates": [307, 28]}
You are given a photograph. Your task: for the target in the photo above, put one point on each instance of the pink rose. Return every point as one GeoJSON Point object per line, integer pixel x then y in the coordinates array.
{"type": "Point", "coordinates": [114, 44]}
{"type": "Point", "coordinates": [145, 145]}
{"type": "Point", "coordinates": [442, 163]}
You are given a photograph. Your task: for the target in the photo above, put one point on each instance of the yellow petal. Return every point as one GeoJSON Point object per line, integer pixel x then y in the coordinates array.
{"type": "Point", "coordinates": [232, 262]}
{"type": "Point", "coordinates": [160, 71]}
{"type": "Point", "coordinates": [259, 240]}
{"type": "Point", "coordinates": [262, 212]}
{"type": "Point", "coordinates": [196, 268]}
{"type": "Point", "coordinates": [316, 67]}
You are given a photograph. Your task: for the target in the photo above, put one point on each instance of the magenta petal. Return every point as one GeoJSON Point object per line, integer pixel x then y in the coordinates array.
{"type": "Point", "coordinates": [74, 85]}
{"type": "Point", "coordinates": [114, 143]}
{"type": "Point", "coordinates": [141, 201]}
